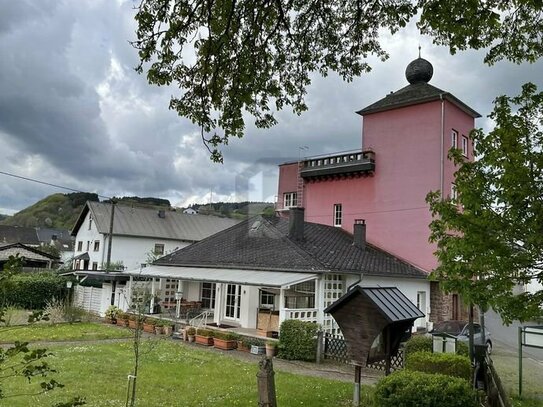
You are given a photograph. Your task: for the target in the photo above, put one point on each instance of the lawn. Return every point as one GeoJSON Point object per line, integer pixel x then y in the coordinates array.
{"type": "Point", "coordinates": [61, 332]}
{"type": "Point", "coordinates": [171, 374]}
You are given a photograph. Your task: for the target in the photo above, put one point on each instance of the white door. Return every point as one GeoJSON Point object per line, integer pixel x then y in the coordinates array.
{"type": "Point", "coordinates": [233, 299]}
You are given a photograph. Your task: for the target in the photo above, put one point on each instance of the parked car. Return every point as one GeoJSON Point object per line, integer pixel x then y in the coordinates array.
{"type": "Point", "coordinates": [460, 330]}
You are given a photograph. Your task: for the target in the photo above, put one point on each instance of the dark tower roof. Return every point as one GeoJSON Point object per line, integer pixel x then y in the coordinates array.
{"type": "Point", "coordinates": [418, 74]}
{"type": "Point", "coordinates": [419, 70]}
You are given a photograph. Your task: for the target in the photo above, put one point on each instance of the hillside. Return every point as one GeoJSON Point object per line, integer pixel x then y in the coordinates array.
{"type": "Point", "coordinates": [55, 211]}
{"type": "Point", "coordinates": [236, 210]}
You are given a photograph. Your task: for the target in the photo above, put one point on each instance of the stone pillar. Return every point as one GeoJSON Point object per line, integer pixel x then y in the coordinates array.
{"type": "Point", "coordinates": [266, 384]}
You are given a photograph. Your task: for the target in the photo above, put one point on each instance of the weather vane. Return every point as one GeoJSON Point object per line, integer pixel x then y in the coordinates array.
{"type": "Point", "coordinates": [419, 50]}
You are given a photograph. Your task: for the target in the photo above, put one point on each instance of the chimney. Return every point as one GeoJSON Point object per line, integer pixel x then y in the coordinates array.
{"type": "Point", "coordinates": [161, 213]}
{"type": "Point", "coordinates": [359, 234]}
{"type": "Point", "coordinates": [296, 223]}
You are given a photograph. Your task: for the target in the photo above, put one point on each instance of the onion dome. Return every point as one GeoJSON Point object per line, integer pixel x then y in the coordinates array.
{"type": "Point", "coordinates": [419, 70]}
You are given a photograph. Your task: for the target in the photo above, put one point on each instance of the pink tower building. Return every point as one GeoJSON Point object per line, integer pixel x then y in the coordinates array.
{"type": "Point", "coordinates": [405, 140]}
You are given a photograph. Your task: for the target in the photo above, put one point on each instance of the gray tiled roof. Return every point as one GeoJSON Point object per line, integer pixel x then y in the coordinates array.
{"type": "Point", "coordinates": [145, 222]}
{"type": "Point", "coordinates": [18, 234]}
{"type": "Point", "coordinates": [263, 243]}
{"type": "Point", "coordinates": [412, 94]}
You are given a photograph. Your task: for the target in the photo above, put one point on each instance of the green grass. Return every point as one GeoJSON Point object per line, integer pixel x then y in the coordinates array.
{"type": "Point", "coordinates": [61, 332]}
{"type": "Point", "coordinates": [172, 374]}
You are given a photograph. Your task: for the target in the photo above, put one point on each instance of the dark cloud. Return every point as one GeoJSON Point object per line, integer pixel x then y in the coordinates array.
{"type": "Point", "coordinates": [74, 111]}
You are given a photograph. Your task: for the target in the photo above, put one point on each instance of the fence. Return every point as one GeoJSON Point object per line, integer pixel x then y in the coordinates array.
{"type": "Point", "coordinates": [335, 348]}
{"type": "Point", "coordinates": [88, 298]}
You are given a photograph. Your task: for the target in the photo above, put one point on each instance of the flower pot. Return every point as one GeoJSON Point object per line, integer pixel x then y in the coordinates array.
{"type": "Point", "coordinates": [112, 321]}
{"type": "Point", "coordinates": [192, 338]}
{"type": "Point", "coordinates": [158, 330]}
{"type": "Point", "coordinates": [224, 344]}
{"type": "Point", "coordinates": [132, 324]}
{"type": "Point", "coordinates": [204, 340]}
{"type": "Point", "coordinates": [243, 348]}
{"type": "Point", "coordinates": [122, 322]}
{"type": "Point", "coordinates": [167, 330]}
{"type": "Point", "coordinates": [148, 328]}
{"type": "Point", "coordinates": [270, 351]}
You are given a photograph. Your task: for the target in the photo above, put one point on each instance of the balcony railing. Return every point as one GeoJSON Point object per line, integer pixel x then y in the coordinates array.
{"type": "Point", "coordinates": [354, 162]}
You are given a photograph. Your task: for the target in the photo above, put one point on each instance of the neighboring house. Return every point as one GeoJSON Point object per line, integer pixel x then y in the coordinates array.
{"type": "Point", "coordinates": [190, 211]}
{"type": "Point", "coordinates": [39, 237]}
{"type": "Point", "coordinates": [263, 271]}
{"type": "Point", "coordinates": [33, 258]}
{"type": "Point", "coordinates": [405, 140]}
{"type": "Point", "coordinates": [140, 235]}
{"type": "Point", "coordinates": [19, 234]}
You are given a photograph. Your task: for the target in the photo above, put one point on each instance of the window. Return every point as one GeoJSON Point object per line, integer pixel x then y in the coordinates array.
{"type": "Point", "coordinates": [88, 245]}
{"type": "Point", "coordinates": [454, 139]}
{"type": "Point", "coordinates": [267, 300]}
{"type": "Point", "coordinates": [207, 295]}
{"type": "Point", "coordinates": [79, 246]}
{"type": "Point", "coordinates": [159, 249]}
{"type": "Point", "coordinates": [454, 193]}
{"type": "Point", "coordinates": [290, 199]}
{"type": "Point", "coordinates": [337, 215]}
{"type": "Point", "coordinates": [90, 222]}
{"type": "Point", "coordinates": [95, 266]}
{"type": "Point", "coordinates": [96, 245]}
{"type": "Point", "coordinates": [464, 146]}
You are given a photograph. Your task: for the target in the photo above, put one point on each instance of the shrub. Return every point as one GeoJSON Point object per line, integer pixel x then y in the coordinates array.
{"type": "Point", "coordinates": [34, 290]}
{"type": "Point", "coordinates": [54, 309]}
{"type": "Point", "coordinates": [298, 340]}
{"type": "Point", "coordinates": [225, 336]}
{"type": "Point", "coordinates": [112, 312]}
{"type": "Point", "coordinates": [205, 332]}
{"type": "Point", "coordinates": [444, 363]}
{"type": "Point", "coordinates": [420, 343]}
{"type": "Point", "coordinates": [416, 389]}
{"type": "Point", "coordinates": [191, 330]}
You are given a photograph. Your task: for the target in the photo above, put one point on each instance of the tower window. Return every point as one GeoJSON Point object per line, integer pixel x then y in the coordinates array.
{"type": "Point", "coordinates": [90, 222]}
{"type": "Point", "coordinates": [96, 245]}
{"type": "Point", "coordinates": [454, 139]}
{"type": "Point", "coordinates": [338, 212]}
{"type": "Point", "coordinates": [464, 146]}
{"type": "Point", "coordinates": [290, 199]}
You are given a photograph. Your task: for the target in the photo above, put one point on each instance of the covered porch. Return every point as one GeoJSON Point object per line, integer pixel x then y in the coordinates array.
{"type": "Point", "coordinates": [252, 302]}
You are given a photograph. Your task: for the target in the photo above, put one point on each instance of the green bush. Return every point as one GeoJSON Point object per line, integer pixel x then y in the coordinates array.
{"type": "Point", "coordinates": [297, 340]}
{"type": "Point", "coordinates": [225, 336]}
{"type": "Point", "coordinates": [416, 389]}
{"type": "Point", "coordinates": [420, 343]}
{"type": "Point", "coordinates": [34, 290]}
{"type": "Point", "coordinates": [444, 363]}
{"type": "Point", "coordinates": [205, 332]}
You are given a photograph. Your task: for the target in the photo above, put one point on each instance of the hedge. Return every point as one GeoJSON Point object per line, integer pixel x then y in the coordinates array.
{"type": "Point", "coordinates": [420, 343]}
{"type": "Point", "coordinates": [444, 363]}
{"type": "Point", "coordinates": [416, 389]}
{"type": "Point", "coordinates": [34, 290]}
{"type": "Point", "coordinates": [297, 340]}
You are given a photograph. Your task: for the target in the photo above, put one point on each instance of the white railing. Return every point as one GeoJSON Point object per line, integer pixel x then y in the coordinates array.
{"type": "Point", "coordinates": [302, 314]}
{"type": "Point", "coordinates": [200, 319]}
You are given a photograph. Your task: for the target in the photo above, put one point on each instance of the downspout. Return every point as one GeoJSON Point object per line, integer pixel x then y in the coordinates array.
{"type": "Point", "coordinates": [356, 282]}
{"type": "Point", "coordinates": [442, 155]}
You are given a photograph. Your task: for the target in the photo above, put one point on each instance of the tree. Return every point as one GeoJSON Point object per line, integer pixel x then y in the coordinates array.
{"type": "Point", "coordinates": [491, 237]}
{"type": "Point", "coordinates": [231, 57]}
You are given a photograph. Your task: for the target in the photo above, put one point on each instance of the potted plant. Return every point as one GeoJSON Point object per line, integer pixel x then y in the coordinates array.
{"type": "Point", "coordinates": [122, 318]}
{"type": "Point", "coordinates": [191, 332]}
{"type": "Point", "coordinates": [167, 328]}
{"type": "Point", "coordinates": [204, 336]}
{"type": "Point", "coordinates": [271, 348]}
{"type": "Point", "coordinates": [133, 321]}
{"type": "Point", "coordinates": [159, 327]}
{"type": "Point", "coordinates": [149, 325]}
{"type": "Point", "coordinates": [225, 340]}
{"type": "Point", "coordinates": [244, 344]}
{"type": "Point", "coordinates": [111, 314]}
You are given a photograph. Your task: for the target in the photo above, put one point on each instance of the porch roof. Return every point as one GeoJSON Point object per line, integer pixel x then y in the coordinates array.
{"type": "Point", "coordinates": [216, 275]}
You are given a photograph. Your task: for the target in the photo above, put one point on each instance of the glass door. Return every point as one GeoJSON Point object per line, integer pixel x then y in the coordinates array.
{"type": "Point", "coordinates": [233, 300]}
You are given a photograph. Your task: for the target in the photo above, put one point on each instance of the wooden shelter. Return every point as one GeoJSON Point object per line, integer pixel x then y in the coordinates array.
{"type": "Point", "coordinates": [373, 320]}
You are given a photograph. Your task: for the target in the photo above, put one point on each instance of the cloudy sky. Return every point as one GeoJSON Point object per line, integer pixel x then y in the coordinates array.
{"type": "Point", "coordinates": [74, 112]}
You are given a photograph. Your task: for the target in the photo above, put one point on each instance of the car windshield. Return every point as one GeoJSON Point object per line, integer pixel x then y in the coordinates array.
{"type": "Point", "coordinates": [449, 327]}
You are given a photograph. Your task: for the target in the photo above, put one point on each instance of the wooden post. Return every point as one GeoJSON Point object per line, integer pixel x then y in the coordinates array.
{"type": "Point", "coordinates": [266, 384]}
{"type": "Point", "coordinates": [320, 345]}
{"type": "Point", "coordinates": [356, 394]}
{"type": "Point", "coordinates": [388, 355]}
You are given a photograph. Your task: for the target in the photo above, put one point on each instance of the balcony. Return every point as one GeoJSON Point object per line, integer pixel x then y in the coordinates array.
{"type": "Point", "coordinates": [353, 163]}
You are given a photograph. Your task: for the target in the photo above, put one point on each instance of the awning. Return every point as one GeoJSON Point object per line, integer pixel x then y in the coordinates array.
{"type": "Point", "coordinates": [215, 275]}
{"type": "Point", "coordinates": [82, 256]}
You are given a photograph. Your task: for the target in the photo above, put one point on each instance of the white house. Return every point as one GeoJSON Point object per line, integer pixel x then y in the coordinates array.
{"type": "Point", "coordinates": [268, 269]}
{"type": "Point", "coordinates": [190, 211]}
{"type": "Point", "coordinates": [140, 235]}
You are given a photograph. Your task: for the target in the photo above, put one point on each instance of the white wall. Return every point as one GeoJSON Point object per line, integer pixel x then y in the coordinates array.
{"type": "Point", "coordinates": [132, 251]}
